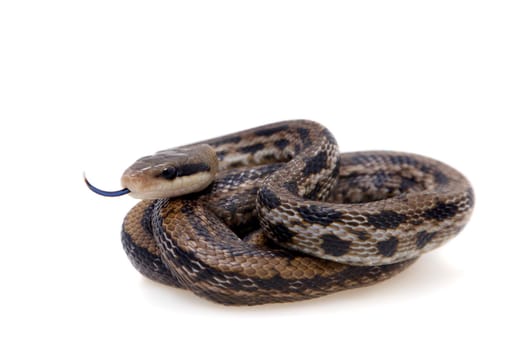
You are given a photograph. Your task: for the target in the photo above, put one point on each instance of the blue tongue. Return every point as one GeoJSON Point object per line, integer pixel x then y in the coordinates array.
{"type": "Point", "coordinates": [106, 193]}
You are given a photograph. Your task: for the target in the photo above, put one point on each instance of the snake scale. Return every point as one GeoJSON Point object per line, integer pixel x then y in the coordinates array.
{"type": "Point", "coordinates": [276, 214]}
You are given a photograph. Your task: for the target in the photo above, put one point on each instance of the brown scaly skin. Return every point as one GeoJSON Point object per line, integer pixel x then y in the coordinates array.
{"type": "Point", "coordinates": [366, 216]}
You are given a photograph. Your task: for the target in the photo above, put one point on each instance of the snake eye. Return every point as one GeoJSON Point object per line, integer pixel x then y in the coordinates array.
{"type": "Point", "coordinates": [169, 173]}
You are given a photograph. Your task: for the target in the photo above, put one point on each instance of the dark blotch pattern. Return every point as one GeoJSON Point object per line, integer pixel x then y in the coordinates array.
{"type": "Point", "coordinates": [304, 134]}
{"type": "Point", "coordinates": [233, 139]}
{"type": "Point", "coordinates": [386, 219]}
{"type": "Point", "coordinates": [440, 178]}
{"type": "Point", "coordinates": [403, 160]}
{"type": "Point", "coordinates": [423, 238]}
{"type": "Point", "coordinates": [335, 246]}
{"type": "Point", "coordinates": [315, 193]}
{"type": "Point", "coordinates": [360, 160]}
{"type": "Point", "coordinates": [271, 131]}
{"type": "Point", "coordinates": [388, 248]}
{"type": "Point", "coordinates": [319, 215]}
{"type": "Point", "coordinates": [361, 235]}
{"type": "Point", "coordinates": [281, 144]}
{"type": "Point", "coordinates": [268, 199]}
{"type": "Point", "coordinates": [315, 164]}
{"type": "Point", "coordinates": [441, 211]}
{"type": "Point", "coordinates": [291, 186]}
{"type": "Point", "coordinates": [251, 148]}
{"type": "Point", "coordinates": [281, 233]}
{"type": "Point", "coordinates": [380, 178]}
{"type": "Point", "coordinates": [406, 184]}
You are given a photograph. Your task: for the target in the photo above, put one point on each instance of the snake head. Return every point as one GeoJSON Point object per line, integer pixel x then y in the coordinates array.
{"type": "Point", "coordinates": [169, 173]}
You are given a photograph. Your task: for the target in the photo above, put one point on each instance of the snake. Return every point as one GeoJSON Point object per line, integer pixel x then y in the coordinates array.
{"type": "Point", "coordinates": [277, 214]}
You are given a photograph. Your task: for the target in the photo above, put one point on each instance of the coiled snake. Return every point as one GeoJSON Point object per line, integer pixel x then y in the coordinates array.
{"type": "Point", "coordinates": [276, 214]}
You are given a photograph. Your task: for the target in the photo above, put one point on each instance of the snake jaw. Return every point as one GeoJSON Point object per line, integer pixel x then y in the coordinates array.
{"type": "Point", "coordinates": [157, 188]}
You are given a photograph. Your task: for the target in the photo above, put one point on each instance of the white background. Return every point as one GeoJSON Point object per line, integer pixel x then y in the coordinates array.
{"type": "Point", "coordinates": [94, 85]}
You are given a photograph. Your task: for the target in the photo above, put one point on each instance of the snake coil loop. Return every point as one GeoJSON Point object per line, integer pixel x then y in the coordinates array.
{"type": "Point", "coordinates": [276, 214]}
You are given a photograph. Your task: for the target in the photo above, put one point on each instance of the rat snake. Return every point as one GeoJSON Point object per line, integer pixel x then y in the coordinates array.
{"type": "Point", "coordinates": [276, 214]}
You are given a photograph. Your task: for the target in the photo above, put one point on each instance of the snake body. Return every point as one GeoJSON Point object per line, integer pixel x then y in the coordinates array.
{"type": "Point", "coordinates": [288, 218]}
